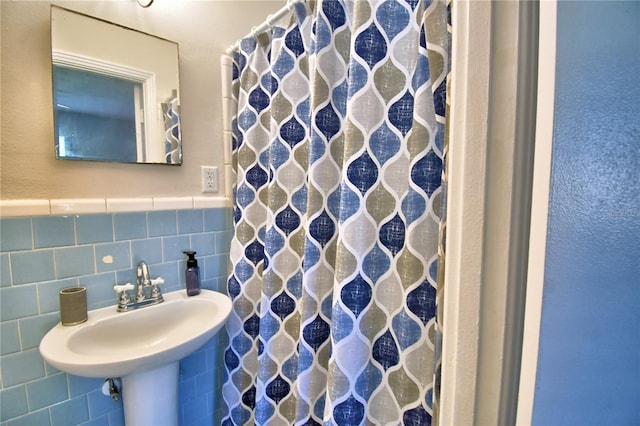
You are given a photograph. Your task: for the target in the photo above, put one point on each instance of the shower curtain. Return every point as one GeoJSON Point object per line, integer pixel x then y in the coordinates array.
{"type": "Point", "coordinates": [172, 134]}
{"type": "Point", "coordinates": [338, 143]}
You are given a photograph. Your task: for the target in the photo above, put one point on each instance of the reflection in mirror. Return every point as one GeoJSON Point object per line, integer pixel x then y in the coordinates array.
{"type": "Point", "coordinates": [115, 92]}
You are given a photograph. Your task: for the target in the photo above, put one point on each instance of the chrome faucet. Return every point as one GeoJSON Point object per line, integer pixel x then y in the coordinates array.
{"type": "Point", "coordinates": [143, 281]}
{"type": "Point", "coordinates": [142, 299]}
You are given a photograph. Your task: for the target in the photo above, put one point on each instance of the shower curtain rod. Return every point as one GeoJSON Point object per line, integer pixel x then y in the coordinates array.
{"type": "Point", "coordinates": [268, 23]}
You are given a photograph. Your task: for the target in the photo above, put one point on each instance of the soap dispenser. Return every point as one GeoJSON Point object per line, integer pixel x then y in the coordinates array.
{"type": "Point", "coordinates": [192, 274]}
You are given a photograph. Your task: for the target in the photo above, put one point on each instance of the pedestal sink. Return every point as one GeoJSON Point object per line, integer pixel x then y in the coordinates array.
{"type": "Point", "coordinates": [143, 347]}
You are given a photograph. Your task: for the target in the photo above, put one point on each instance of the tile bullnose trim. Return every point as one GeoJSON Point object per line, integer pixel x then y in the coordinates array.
{"type": "Point", "coordinates": [119, 205]}
{"type": "Point", "coordinates": [211, 202]}
{"type": "Point", "coordinates": [172, 203]}
{"type": "Point", "coordinates": [44, 207]}
{"type": "Point", "coordinates": [14, 208]}
{"type": "Point", "coordinates": [77, 206]}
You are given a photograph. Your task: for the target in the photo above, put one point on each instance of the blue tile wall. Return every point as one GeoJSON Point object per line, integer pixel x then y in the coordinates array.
{"type": "Point", "coordinates": [41, 255]}
{"type": "Point", "coordinates": [16, 234]}
{"type": "Point", "coordinates": [94, 228]}
{"type": "Point", "coordinates": [53, 231]}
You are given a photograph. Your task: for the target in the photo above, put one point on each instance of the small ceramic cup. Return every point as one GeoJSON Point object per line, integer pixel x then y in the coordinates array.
{"type": "Point", "coordinates": [73, 305]}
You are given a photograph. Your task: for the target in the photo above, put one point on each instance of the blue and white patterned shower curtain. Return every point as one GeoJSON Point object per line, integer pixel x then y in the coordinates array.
{"type": "Point", "coordinates": [337, 148]}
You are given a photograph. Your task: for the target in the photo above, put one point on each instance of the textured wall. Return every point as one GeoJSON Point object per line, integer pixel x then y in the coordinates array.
{"type": "Point", "coordinates": [588, 365]}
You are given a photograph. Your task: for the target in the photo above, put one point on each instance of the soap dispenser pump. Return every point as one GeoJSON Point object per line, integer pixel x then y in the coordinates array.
{"type": "Point", "coordinates": [192, 274]}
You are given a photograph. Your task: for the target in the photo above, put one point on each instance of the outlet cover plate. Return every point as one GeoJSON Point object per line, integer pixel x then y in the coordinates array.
{"type": "Point", "coordinates": [209, 179]}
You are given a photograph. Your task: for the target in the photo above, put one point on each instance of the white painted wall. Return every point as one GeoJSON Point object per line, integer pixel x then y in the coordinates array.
{"type": "Point", "coordinates": [484, 207]}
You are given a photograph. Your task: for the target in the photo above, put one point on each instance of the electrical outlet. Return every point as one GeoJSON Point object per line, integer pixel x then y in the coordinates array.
{"type": "Point", "coordinates": [209, 179]}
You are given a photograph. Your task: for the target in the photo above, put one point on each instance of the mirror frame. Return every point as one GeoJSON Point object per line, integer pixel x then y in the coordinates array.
{"type": "Point", "coordinates": [158, 133]}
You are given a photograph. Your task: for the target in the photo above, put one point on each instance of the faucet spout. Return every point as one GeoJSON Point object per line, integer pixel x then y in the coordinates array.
{"type": "Point", "coordinates": [143, 281]}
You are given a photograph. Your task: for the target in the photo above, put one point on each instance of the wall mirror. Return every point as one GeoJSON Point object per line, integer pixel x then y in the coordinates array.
{"type": "Point", "coordinates": [115, 92]}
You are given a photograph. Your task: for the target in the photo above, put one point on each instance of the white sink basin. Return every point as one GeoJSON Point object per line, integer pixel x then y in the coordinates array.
{"type": "Point", "coordinates": [117, 344]}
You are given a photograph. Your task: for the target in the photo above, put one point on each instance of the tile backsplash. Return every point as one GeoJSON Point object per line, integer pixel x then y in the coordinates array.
{"type": "Point", "coordinates": [39, 255]}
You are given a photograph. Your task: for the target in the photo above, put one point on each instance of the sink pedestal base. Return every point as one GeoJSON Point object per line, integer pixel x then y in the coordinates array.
{"type": "Point", "coordinates": [151, 397]}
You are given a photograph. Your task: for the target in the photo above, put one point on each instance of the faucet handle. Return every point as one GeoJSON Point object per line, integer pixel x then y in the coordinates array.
{"type": "Point", "coordinates": [123, 296]}
{"type": "Point", "coordinates": [156, 294]}
{"type": "Point", "coordinates": [157, 281]}
{"type": "Point", "coordinates": [123, 287]}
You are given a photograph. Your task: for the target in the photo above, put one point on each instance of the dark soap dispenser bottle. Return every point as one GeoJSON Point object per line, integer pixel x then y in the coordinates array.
{"type": "Point", "coordinates": [192, 274]}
